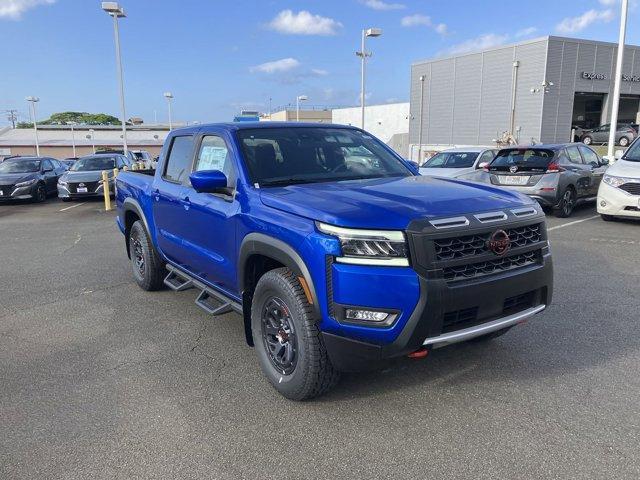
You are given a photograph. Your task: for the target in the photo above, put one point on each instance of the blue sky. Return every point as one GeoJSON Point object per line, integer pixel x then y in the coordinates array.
{"type": "Point", "coordinates": [218, 56]}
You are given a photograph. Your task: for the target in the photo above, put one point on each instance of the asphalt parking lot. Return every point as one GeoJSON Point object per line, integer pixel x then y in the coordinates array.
{"type": "Point", "coordinates": [103, 380]}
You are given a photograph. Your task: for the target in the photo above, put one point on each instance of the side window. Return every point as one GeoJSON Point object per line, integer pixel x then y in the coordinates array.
{"type": "Point", "coordinates": [120, 162]}
{"type": "Point", "coordinates": [47, 165]}
{"type": "Point", "coordinates": [574, 155]}
{"type": "Point", "coordinates": [214, 155]}
{"type": "Point", "coordinates": [179, 160]}
{"type": "Point", "coordinates": [486, 156]}
{"type": "Point", "coordinates": [589, 155]}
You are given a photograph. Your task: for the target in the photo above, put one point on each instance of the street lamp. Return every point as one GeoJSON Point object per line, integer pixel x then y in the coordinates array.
{"type": "Point", "coordinates": [363, 54]}
{"type": "Point", "coordinates": [299, 98]}
{"type": "Point", "coordinates": [169, 97]}
{"type": "Point", "coordinates": [116, 12]}
{"type": "Point", "coordinates": [73, 138]}
{"type": "Point", "coordinates": [93, 141]}
{"type": "Point", "coordinates": [616, 87]}
{"type": "Point", "coordinates": [32, 108]}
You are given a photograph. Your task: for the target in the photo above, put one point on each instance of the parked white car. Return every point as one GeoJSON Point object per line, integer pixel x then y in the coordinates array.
{"type": "Point", "coordinates": [619, 192]}
{"type": "Point", "coordinates": [456, 162]}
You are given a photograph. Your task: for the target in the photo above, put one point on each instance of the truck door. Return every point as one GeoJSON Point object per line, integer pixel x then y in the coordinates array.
{"type": "Point", "coordinates": [170, 201]}
{"type": "Point", "coordinates": [212, 217]}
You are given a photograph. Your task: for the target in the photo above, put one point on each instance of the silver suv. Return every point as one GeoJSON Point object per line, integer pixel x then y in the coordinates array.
{"type": "Point", "coordinates": [557, 176]}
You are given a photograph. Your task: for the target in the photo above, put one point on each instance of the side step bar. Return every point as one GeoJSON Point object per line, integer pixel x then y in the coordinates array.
{"type": "Point", "coordinates": [211, 301]}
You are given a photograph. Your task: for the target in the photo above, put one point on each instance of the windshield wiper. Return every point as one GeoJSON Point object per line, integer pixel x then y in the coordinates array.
{"type": "Point", "coordinates": [286, 181]}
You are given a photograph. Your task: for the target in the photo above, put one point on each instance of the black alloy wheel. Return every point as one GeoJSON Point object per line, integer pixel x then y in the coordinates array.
{"type": "Point", "coordinates": [567, 204]}
{"type": "Point", "coordinates": [41, 194]}
{"type": "Point", "coordinates": [279, 335]}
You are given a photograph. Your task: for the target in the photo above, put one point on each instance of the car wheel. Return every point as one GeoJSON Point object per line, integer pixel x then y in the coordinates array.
{"type": "Point", "coordinates": [148, 270]}
{"type": "Point", "coordinates": [567, 203]}
{"type": "Point", "coordinates": [287, 339]}
{"type": "Point", "coordinates": [66, 199]}
{"type": "Point", "coordinates": [607, 218]}
{"type": "Point", "coordinates": [490, 336]}
{"type": "Point", "coordinates": [40, 194]}
{"type": "Point", "coordinates": [587, 140]}
{"type": "Point", "coordinates": [623, 142]}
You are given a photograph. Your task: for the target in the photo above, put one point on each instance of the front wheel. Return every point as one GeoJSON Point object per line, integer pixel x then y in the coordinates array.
{"type": "Point", "coordinates": [567, 203]}
{"type": "Point", "coordinates": [40, 194]}
{"type": "Point", "coordinates": [147, 267]}
{"type": "Point", "coordinates": [587, 140]}
{"type": "Point", "coordinates": [287, 339]}
{"type": "Point", "coordinates": [607, 218]}
{"type": "Point", "coordinates": [624, 142]}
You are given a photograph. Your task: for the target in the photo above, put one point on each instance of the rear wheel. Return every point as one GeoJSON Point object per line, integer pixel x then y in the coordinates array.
{"type": "Point", "coordinates": [287, 339]}
{"type": "Point", "coordinates": [148, 270]}
{"type": "Point", "coordinates": [567, 203]}
{"type": "Point", "coordinates": [587, 140]}
{"type": "Point", "coordinates": [624, 142]}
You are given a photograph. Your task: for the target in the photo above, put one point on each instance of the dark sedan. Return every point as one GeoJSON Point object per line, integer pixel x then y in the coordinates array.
{"type": "Point", "coordinates": [29, 178]}
{"type": "Point", "coordinates": [84, 178]}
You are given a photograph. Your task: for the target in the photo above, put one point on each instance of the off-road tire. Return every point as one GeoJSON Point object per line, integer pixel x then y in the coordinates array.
{"type": "Point", "coordinates": [566, 205]}
{"type": "Point", "coordinates": [313, 374]}
{"type": "Point", "coordinates": [151, 276]}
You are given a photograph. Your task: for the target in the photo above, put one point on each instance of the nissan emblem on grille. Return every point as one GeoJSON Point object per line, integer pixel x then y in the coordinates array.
{"type": "Point", "coordinates": [513, 169]}
{"type": "Point", "coordinates": [499, 242]}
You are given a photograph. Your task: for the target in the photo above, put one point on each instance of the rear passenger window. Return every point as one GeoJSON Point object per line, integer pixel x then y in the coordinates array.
{"type": "Point", "coordinates": [179, 160]}
{"type": "Point", "coordinates": [214, 155]}
{"type": "Point", "coordinates": [574, 155]}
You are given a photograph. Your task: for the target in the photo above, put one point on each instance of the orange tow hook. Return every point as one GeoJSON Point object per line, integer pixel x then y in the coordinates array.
{"type": "Point", "coordinates": [420, 353]}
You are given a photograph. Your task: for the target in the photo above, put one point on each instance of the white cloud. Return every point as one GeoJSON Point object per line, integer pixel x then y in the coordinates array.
{"type": "Point", "coordinates": [276, 66]}
{"type": "Point", "coordinates": [380, 5]}
{"type": "Point", "coordinates": [304, 23]}
{"type": "Point", "coordinates": [525, 32]}
{"type": "Point", "coordinates": [441, 28]}
{"type": "Point", "coordinates": [608, 3]}
{"type": "Point", "coordinates": [576, 24]}
{"type": "Point", "coordinates": [483, 42]}
{"type": "Point", "coordinates": [14, 9]}
{"type": "Point", "coordinates": [415, 20]}
{"type": "Point", "coordinates": [319, 72]}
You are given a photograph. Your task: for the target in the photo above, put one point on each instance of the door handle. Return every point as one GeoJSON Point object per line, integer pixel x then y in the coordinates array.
{"type": "Point", "coordinates": [156, 195]}
{"type": "Point", "coordinates": [186, 203]}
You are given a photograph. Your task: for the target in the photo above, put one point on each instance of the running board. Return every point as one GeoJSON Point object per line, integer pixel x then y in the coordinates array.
{"type": "Point", "coordinates": [210, 300]}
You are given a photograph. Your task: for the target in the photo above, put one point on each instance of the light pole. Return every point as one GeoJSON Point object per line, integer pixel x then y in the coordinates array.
{"type": "Point", "coordinates": [363, 54]}
{"type": "Point", "coordinates": [422, 79]}
{"type": "Point", "coordinates": [169, 97]}
{"type": "Point", "coordinates": [616, 88]}
{"type": "Point", "coordinates": [73, 138]}
{"type": "Point", "coordinates": [32, 109]}
{"type": "Point", "coordinates": [299, 98]}
{"type": "Point", "coordinates": [116, 11]}
{"type": "Point", "coordinates": [93, 141]}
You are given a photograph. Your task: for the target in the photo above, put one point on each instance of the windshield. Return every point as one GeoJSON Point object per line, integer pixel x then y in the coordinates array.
{"type": "Point", "coordinates": [88, 164]}
{"type": "Point", "coordinates": [19, 165]}
{"type": "Point", "coordinates": [633, 153]}
{"type": "Point", "coordinates": [452, 160]}
{"type": "Point", "coordinates": [281, 156]}
{"type": "Point", "coordinates": [526, 157]}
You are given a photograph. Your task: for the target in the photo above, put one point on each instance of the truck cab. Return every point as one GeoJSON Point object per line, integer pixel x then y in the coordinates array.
{"type": "Point", "coordinates": [334, 251]}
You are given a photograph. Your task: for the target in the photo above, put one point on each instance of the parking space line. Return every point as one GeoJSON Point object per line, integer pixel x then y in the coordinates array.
{"type": "Point", "coordinates": [72, 206]}
{"type": "Point", "coordinates": [572, 223]}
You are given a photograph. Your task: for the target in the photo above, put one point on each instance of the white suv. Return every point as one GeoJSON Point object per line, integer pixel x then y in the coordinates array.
{"type": "Point", "coordinates": [619, 192]}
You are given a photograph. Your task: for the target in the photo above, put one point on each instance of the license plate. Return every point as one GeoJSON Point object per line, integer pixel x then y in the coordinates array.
{"type": "Point", "coordinates": [82, 190]}
{"type": "Point", "coordinates": [513, 179]}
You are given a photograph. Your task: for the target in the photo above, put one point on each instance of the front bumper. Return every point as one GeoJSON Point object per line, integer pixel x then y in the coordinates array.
{"type": "Point", "coordinates": [20, 193]}
{"type": "Point", "coordinates": [434, 311]}
{"type": "Point", "coordinates": [63, 192]}
{"type": "Point", "coordinates": [617, 202]}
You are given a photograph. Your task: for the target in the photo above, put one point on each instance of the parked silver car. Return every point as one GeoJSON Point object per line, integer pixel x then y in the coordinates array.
{"type": "Point", "coordinates": [557, 176]}
{"type": "Point", "coordinates": [624, 135]}
{"type": "Point", "coordinates": [455, 162]}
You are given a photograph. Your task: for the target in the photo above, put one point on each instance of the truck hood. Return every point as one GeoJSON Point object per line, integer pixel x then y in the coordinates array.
{"type": "Point", "coordinates": [13, 178]}
{"type": "Point", "coordinates": [388, 203]}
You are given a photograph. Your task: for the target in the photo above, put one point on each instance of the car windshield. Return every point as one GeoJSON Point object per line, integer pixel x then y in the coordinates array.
{"type": "Point", "coordinates": [452, 160]}
{"type": "Point", "coordinates": [523, 157]}
{"type": "Point", "coordinates": [282, 156]}
{"type": "Point", "coordinates": [19, 165]}
{"type": "Point", "coordinates": [87, 164]}
{"type": "Point", "coordinates": [633, 154]}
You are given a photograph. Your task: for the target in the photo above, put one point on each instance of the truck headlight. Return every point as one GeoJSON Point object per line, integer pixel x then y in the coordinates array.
{"type": "Point", "coordinates": [26, 184]}
{"type": "Point", "coordinates": [616, 181]}
{"type": "Point", "coordinates": [369, 247]}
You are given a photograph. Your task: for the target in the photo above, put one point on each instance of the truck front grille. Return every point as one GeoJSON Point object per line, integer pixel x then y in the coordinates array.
{"type": "Point", "coordinates": [472, 245]}
{"type": "Point", "coordinates": [631, 187]}
{"type": "Point", "coordinates": [498, 265]}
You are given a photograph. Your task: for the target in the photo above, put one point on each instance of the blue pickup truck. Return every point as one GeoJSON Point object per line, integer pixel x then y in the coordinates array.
{"type": "Point", "coordinates": [335, 252]}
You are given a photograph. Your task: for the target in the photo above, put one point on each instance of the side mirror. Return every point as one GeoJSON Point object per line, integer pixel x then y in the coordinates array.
{"type": "Point", "coordinates": [414, 166]}
{"type": "Point", "coordinates": [482, 165]}
{"type": "Point", "coordinates": [209, 181]}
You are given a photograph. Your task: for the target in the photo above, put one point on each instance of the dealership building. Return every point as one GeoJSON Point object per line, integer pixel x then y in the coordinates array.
{"type": "Point", "coordinates": [537, 90]}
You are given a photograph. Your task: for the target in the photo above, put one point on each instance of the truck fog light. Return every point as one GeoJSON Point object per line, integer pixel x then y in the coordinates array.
{"type": "Point", "coordinates": [365, 315]}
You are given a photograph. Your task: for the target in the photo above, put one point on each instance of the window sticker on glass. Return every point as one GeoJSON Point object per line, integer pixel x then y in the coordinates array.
{"type": "Point", "coordinates": [212, 158]}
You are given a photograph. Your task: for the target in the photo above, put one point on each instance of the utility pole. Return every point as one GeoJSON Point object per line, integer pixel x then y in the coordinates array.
{"type": "Point", "coordinates": [12, 116]}
{"type": "Point", "coordinates": [618, 79]}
